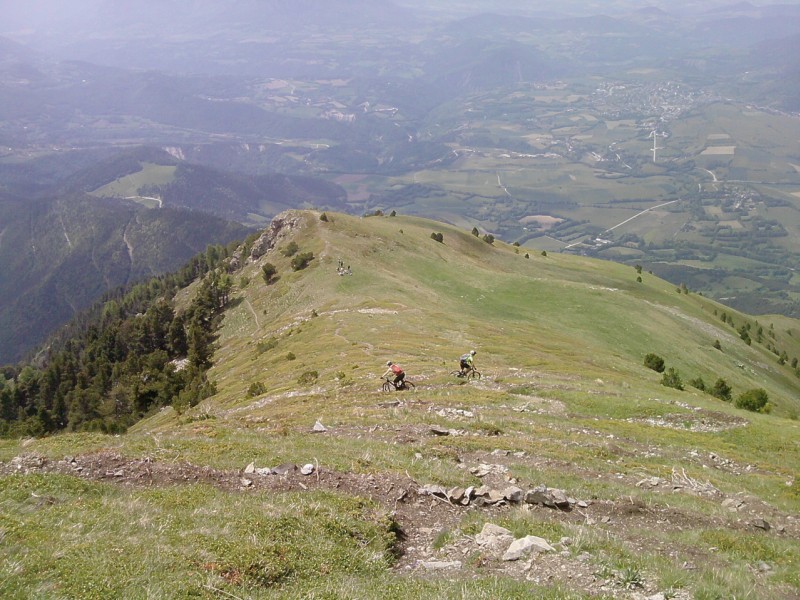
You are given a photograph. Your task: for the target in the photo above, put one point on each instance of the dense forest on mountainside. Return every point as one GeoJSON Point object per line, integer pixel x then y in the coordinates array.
{"type": "Point", "coordinates": [131, 353]}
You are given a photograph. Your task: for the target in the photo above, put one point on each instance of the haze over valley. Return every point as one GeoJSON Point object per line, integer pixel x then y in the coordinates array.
{"type": "Point", "coordinates": [221, 221]}
{"type": "Point", "coordinates": [665, 136]}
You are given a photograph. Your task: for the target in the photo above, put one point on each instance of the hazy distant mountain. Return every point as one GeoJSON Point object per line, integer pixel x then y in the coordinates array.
{"type": "Point", "coordinates": [58, 256]}
{"type": "Point", "coordinates": [139, 30]}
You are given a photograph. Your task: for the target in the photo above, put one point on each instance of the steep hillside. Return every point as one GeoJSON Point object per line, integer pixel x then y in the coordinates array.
{"type": "Point", "coordinates": [60, 256]}
{"type": "Point", "coordinates": [640, 490]}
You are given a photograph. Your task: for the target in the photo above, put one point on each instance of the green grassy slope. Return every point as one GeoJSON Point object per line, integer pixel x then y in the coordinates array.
{"type": "Point", "coordinates": [564, 401]}
{"type": "Point", "coordinates": [423, 303]}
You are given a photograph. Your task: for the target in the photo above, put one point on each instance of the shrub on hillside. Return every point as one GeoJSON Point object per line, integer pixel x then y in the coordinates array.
{"type": "Point", "coordinates": [721, 390]}
{"type": "Point", "coordinates": [698, 383]}
{"type": "Point", "coordinates": [755, 400]}
{"type": "Point", "coordinates": [672, 379]}
{"type": "Point", "coordinates": [308, 377]}
{"type": "Point", "coordinates": [301, 261]}
{"type": "Point", "coordinates": [269, 344]}
{"type": "Point", "coordinates": [475, 232]}
{"type": "Point", "coordinates": [256, 389]}
{"type": "Point", "coordinates": [290, 249]}
{"type": "Point", "coordinates": [745, 334]}
{"type": "Point", "coordinates": [655, 362]}
{"type": "Point", "coordinates": [323, 217]}
{"type": "Point", "coordinates": [717, 345]}
{"type": "Point", "coordinates": [488, 238]}
{"type": "Point", "coordinates": [437, 237]}
{"type": "Point", "coordinates": [268, 271]}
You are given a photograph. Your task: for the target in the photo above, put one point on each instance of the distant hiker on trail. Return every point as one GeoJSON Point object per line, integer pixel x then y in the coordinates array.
{"type": "Point", "coordinates": [395, 370]}
{"type": "Point", "coordinates": [467, 362]}
{"type": "Point", "coordinates": [341, 270]}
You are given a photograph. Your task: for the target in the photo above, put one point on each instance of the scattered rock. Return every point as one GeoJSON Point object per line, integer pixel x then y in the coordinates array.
{"type": "Point", "coordinates": [523, 546]}
{"type": "Point", "coordinates": [483, 470]}
{"type": "Point", "coordinates": [285, 469]}
{"type": "Point", "coordinates": [469, 494]}
{"type": "Point", "coordinates": [307, 469]}
{"type": "Point", "coordinates": [263, 471]}
{"type": "Point", "coordinates": [559, 498]}
{"type": "Point", "coordinates": [436, 430]}
{"type": "Point", "coordinates": [761, 524]}
{"type": "Point", "coordinates": [537, 495]}
{"type": "Point", "coordinates": [457, 495]}
{"type": "Point", "coordinates": [251, 468]}
{"type": "Point", "coordinates": [650, 482]}
{"type": "Point", "coordinates": [246, 482]}
{"type": "Point", "coordinates": [733, 504]}
{"type": "Point", "coordinates": [553, 498]}
{"type": "Point", "coordinates": [455, 412]}
{"type": "Point", "coordinates": [513, 494]}
{"type": "Point", "coordinates": [439, 565]}
{"type": "Point", "coordinates": [493, 537]}
{"type": "Point", "coordinates": [493, 497]}
{"type": "Point", "coordinates": [432, 490]}
{"type": "Point", "coordinates": [319, 427]}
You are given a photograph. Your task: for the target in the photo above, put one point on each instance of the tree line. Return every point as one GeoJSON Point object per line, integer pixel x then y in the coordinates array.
{"type": "Point", "coordinates": [130, 354]}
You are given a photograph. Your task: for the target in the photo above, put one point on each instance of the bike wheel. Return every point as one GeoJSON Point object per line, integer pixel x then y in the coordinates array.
{"type": "Point", "coordinates": [473, 374]}
{"type": "Point", "coordinates": [387, 386]}
{"type": "Point", "coordinates": [456, 373]}
{"type": "Point", "coordinates": [409, 385]}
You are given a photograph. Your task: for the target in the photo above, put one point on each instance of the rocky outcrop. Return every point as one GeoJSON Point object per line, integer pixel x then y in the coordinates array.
{"type": "Point", "coordinates": [280, 227]}
{"type": "Point", "coordinates": [487, 496]}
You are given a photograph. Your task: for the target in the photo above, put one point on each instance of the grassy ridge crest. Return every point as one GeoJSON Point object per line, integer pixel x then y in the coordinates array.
{"type": "Point", "coordinates": [565, 401]}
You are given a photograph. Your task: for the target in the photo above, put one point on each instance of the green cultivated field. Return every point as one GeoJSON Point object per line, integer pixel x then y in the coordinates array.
{"type": "Point", "coordinates": [128, 186]}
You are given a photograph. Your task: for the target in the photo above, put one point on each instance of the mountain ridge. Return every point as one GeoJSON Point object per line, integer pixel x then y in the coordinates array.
{"type": "Point", "coordinates": [641, 477]}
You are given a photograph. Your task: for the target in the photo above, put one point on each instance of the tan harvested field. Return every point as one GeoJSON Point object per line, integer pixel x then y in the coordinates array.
{"type": "Point", "coordinates": [545, 221]}
{"type": "Point", "coordinates": [624, 123]}
{"type": "Point", "coordinates": [718, 150]}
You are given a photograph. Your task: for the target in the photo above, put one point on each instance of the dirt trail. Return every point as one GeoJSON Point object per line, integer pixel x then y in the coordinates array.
{"type": "Point", "coordinates": [424, 519]}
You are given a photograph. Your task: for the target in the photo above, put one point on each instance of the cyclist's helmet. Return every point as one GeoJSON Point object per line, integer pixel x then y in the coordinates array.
{"type": "Point", "coordinates": [388, 363]}
{"type": "Point", "coordinates": [472, 352]}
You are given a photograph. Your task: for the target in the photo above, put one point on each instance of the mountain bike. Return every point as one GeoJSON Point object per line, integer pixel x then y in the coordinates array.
{"type": "Point", "coordinates": [389, 384]}
{"type": "Point", "coordinates": [470, 374]}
